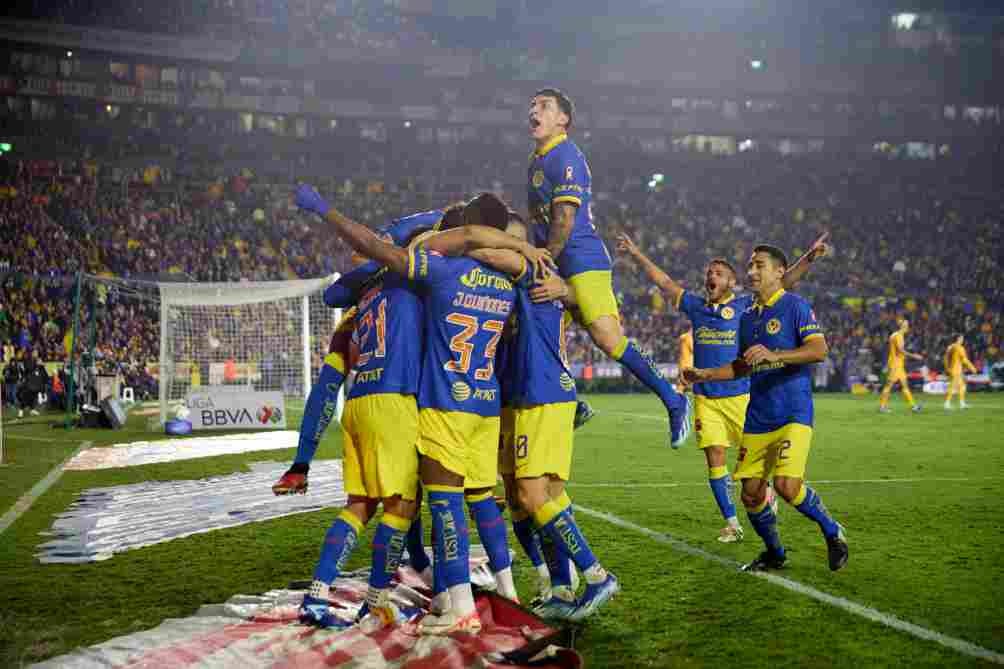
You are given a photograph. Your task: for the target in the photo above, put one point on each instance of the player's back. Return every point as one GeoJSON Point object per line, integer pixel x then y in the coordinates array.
{"type": "Point", "coordinates": [541, 374]}
{"type": "Point", "coordinates": [390, 349]}
{"type": "Point", "coordinates": [466, 307]}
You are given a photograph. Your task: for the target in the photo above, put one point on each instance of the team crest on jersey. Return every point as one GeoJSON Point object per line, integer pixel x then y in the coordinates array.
{"type": "Point", "coordinates": [538, 179]}
{"type": "Point", "coordinates": [567, 382]}
{"type": "Point", "coordinates": [568, 173]}
{"type": "Point", "coordinates": [728, 313]}
{"type": "Point", "coordinates": [773, 326]}
{"type": "Point", "coordinates": [461, 391]}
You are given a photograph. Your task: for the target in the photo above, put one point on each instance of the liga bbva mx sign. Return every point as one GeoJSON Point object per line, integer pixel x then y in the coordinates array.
{"type": "Point", "coordinates": [236, 410]}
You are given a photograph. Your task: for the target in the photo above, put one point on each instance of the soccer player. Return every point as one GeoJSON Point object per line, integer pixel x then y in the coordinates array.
{"type": "Point", "coordinates": [686, 344]}
{"type": "Point", "coordinates": [720, 407]}
{"type": "Point", "coordinates": [896, 366]}
{"type": "Point", "coordinates": [955, 360]}
{"type": "Point", "coordinates": [540, 453]}
{"type": "Point", "coordinates": [466, 306]}
{"type": "Point", "coordinates": [778, 339]}
{"type": "Point", "coordinates": [559, 198]}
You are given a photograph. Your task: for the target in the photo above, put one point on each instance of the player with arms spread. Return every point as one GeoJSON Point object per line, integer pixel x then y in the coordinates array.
{"type": "Point", "coordinates": [560, 202]}
{"type": "Point", "coordinates": [896, 368]}
{"type": "Point", "coordinates": [778, 339]}
{"type": "Point", "coordinates": [955, 359]}
{"type": "Point", "coordinates": [720, 407]}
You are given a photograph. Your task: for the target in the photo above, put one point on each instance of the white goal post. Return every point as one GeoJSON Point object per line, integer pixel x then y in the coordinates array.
{"type": "Point", "coordinates": [267, 335]}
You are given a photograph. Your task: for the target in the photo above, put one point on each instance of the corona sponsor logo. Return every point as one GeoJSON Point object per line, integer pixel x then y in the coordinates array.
{"type": "Point", "coordinates": [478, 278]}
{"type": "Point", "coordinates": [460, 391]}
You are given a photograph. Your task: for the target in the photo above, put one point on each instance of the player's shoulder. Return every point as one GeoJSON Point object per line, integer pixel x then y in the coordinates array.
{"type": "Point", "coordinates": [794, 302]}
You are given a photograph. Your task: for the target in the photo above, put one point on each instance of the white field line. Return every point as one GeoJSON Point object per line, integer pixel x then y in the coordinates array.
{"type": "Point", "coordinates": [889, 620]}
{"type": "Point", "coordinates": [704, 484]}
{"type": "Point", "coordinates": [26, 500]}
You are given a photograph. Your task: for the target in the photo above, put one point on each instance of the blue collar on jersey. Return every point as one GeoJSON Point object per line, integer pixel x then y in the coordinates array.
{"type": "Point", "coordinates": [771, 301]}
{"type": "Point", "coordinates": [551, 143]}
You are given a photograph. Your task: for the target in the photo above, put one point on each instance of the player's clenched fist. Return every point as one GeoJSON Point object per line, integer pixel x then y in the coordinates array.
{"type": "Point", "coordinates": [308, 198]}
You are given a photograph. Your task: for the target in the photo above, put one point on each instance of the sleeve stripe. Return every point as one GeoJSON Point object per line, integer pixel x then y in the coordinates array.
{"type": "Point", "coordinates": [522, 271]}
{"type": "Point", "coordinates": [811, 335]}
{"type": "Point", "coordinates": [567, 198]}
{"type": "Point", "coordinates": [679, 300]}
{"type": "Point", "coordinates": [411, 263]}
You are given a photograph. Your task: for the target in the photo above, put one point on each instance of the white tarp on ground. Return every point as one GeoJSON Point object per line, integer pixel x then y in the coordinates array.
{"type": "Point", "coordinates": [105, 521]}
{"type": "Point", "coordinates": [252, 631]}
{"type": "Point", "coordinates": [169, 450]}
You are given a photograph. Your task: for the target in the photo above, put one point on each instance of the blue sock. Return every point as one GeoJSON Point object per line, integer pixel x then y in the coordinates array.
{"type": "Point", "coordinates": [491, 529]}
{"type": "Point", "coordinates": [417, 556]}
{"type": "Point", "coordinates": [338, 544]}
{"type": "Point", "coordinates": [388, 546]}
{"type": "Point", "coordinates": [765, 524]}
{"type": "Point", "coordinates": [643, 369]}
{"type": "Point", "coordinates": [813, 507]}
{"type": "Point", "coordinates": [718, 479]}
{"type": "Point", "coordinates": [318, 412]}
{"type": "Point", "coordinates": [451, 542]}
{"type": "Point", "coordinates": [529, 539]}
{"type": "Point", "coordinates": [555, 520]}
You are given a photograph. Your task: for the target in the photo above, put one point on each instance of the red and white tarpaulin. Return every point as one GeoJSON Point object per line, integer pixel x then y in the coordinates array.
{"type": "Point", "coordinates": [261, 631]}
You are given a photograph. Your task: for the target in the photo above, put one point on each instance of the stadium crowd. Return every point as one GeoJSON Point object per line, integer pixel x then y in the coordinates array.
{"type": "Point", "coordinates": [920, 238]}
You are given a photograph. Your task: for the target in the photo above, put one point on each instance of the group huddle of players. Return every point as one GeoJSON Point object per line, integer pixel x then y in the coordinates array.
{"type": "Point", "coordinates": [456, 337]}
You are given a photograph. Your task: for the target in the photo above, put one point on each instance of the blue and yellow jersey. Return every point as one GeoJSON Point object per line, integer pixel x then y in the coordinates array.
{"type": "Point", "coordinates": [559, 173]}
{"type": "Point", "coordinates": [504, 370]}
{"type": "Point", "coordinates": [716, 339]}
{"type": "Point", "coordinates": [390, 349]}
{"type": "Point", "coordinates": [466, 308]}
{"type": "Point", "coordinates": [345, 291]}
{"type": "Point", "coordinates": [779, 393]}
{"type": "Point", "coordinates": [540, 360]}
{"type": "Point", "coordinates": [401, 230]}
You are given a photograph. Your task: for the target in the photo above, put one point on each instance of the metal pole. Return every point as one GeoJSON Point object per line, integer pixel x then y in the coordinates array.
{"type": "Point", "coordinates": [306, 347]}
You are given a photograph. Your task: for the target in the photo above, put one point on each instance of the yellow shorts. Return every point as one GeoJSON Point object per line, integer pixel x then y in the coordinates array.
{"type": "Point", "coordinates": [896, 375]}
{"type": "Point", "coordinates": [543, 441]}
{"type": "Point", "coordinates": [380, 459]}
{"type": "Point", "coordinates": [465, 443]}
{"type": "Point", "coordinates": [594, 292]}
{"type": "Point", "coordinates": [507, 456]}
{"type": "Point", "coordinates": [782, 452]}
{"type": "Point", "coordinates": [718, 421]}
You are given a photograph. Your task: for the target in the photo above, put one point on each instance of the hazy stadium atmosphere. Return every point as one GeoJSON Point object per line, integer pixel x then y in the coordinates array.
{"type": "Point", "coordinates": [625, 211]}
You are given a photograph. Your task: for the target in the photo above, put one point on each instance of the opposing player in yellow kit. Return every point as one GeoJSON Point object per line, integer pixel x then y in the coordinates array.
{"type": "Point", "coordinates": [955, 360]}
{"type": "Point", "coordinates": [896, 364]}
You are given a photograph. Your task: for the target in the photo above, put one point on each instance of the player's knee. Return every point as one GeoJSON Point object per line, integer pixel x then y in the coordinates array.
{"type": "Point", "coordinates": [362, 508]}
{"type": "Point", "coordinates": [531, 494]}
{"type": "Point", "coordinates": [787, 488]}
{"type": "Point", "coordinates": [400, 507]}
{"type": "Point", "coordinates": [753, 494]}
{"type": "Point", "coordinates": [607, 334]}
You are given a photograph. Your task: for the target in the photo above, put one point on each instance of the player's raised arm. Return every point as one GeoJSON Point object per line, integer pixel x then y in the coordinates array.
{"type": "Point", "coordinates": [667, 285]}
{"type": "Point", "coordinates": [797, 272]}
{"type": "Point", "coordinates": [358, 236]}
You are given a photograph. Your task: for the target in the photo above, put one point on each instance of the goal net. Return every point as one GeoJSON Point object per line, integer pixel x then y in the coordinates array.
{"type": "Point", "coordinates": [263, 336]}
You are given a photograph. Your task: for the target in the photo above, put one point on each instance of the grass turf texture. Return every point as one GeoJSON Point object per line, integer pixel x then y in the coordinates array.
{"type": "Point", "coordinates": [925, 550]}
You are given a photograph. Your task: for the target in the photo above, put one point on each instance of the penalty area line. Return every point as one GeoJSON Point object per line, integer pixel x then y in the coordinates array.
{"type": "Point", "coordinates": [27, 499]}
{"type": "Point", "coordinates": [886, 619]}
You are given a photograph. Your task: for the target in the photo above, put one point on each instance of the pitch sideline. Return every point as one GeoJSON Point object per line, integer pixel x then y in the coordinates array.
{"type": "Point", "coordinates": [887, 619]}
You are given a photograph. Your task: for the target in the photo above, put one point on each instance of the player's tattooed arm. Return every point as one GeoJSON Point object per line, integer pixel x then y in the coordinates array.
{"type": "Point", "coordinates": [667, 285]}
{"type": "Point", "coordinates": [562, 222]}
{"type": "Point", "coordinates": [795, 273]}
{"type": "Point", "coordinates": [469, 238]}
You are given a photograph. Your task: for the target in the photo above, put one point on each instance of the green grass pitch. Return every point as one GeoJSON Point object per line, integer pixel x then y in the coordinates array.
{"type": "Point", "coordinates": [917, 494]}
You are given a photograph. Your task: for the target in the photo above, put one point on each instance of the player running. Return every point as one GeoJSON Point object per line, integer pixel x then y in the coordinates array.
{"type": "Point", "coordinates": [720, 407]}
{"type": "Point", "coordinates": [560, 202]}
{"type": "Point", "coordinates": [896, 366]}
{"type": "Point", "coordinates": [778, 339]}
{"type": "Point", "coordinates": [466, 306]}
{"type": "Point", "coordinates": [955, 359]}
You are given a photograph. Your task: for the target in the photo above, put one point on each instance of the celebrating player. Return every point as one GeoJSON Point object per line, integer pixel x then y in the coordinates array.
{"type": "Point", "coordinates": [778, 340]}
{"type": "Point", "coordinates": [466, 305]}
{"type": "Point", "coordinates": [955, 360]}
{"type": "Point", "coordinates": [720, 407]}
{"type": "Point", "coordinates": [896, 366]}
{"type": "Point", "coordinates": [560, 203]}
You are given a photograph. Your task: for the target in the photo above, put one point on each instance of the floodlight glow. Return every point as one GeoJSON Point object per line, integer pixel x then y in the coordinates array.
{"type": "Point", "coordinates": [69, 54]}
{"type": "Point", "coordinates": [407, 124]}
{"type": "Point", "coordinates": [904, 21]}
{"type": "Point", "coordinates": [756, 64]}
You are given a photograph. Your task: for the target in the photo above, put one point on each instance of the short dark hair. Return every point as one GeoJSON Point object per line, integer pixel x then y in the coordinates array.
{"type": "Point", "coordinates": [492, 211]}
{"type": "Point", "coordinates": [724, 263]}
{"type": "Point", "coordinates": [453, 216]}
{"type": "Point", "coordinates": [774, 252]}
{"type": "Point", "coordinates": [565, 103]}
